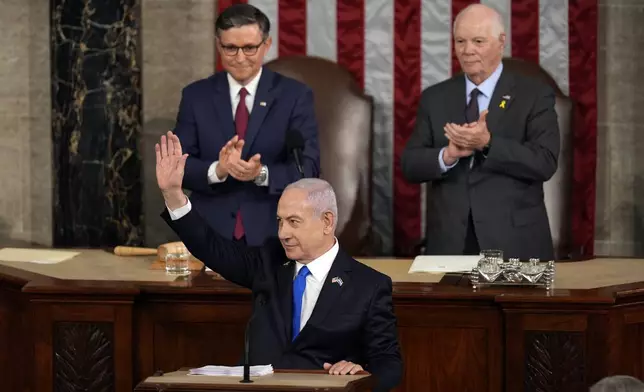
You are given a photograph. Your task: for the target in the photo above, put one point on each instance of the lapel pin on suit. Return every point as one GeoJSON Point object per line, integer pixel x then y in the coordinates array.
{"type": "Point", "coordinates": [262, 103]}
{"type": "Point", "coordinates": [504, 101]}
{"type": "Point", "coordinates": [337, 280]}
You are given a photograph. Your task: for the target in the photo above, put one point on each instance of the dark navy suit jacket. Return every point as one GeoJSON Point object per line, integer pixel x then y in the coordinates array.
{"type": "Point", "coordinates": [352, 321]}
{"type": "Point", "coordinates": [205, 124]}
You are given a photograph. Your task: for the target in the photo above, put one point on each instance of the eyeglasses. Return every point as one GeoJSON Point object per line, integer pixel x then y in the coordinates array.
{"type": "Point", "coordinates": [248, 50]}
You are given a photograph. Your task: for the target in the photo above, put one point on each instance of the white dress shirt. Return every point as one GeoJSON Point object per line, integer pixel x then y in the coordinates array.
{"type": "Point", "coordinates": [235, 87]}
{"type": "Point", "coordinates": [319, 269]}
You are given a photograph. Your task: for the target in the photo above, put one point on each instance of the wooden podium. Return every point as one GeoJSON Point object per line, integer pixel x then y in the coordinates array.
{"type": "Point", "coordinates": [292, 381]}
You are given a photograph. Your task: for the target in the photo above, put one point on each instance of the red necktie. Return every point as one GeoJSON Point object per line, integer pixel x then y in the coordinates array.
{"type": "Point", "coordinates": [241, 123]}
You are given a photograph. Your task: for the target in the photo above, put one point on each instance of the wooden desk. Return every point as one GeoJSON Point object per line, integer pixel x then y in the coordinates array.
{"type": "Point", "coordinates": [119, 328]}
{"type": "Point", "coordinates": [292, 381]}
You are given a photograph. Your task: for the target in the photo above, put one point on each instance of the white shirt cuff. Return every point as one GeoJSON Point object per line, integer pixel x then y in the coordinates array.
{"type": "Point", "coordinates": [212, 174]}
{"type": "Point", "coordinates": [441, 162]}
{"type": "Point", "coordinates": [181, 211]}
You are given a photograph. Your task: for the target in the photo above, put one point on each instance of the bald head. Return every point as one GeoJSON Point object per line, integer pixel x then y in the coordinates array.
{"type": "Point", "coordinates": [479, 40]}
{"type": "Point", "coordinates": [482, 14]}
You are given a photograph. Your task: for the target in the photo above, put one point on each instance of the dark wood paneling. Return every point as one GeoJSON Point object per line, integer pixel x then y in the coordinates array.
{"type": "Point", "coordinates": [549, 349]}
{"type": "Point", "coordinates": [16, 356]}
{"type": "Point", "coordinates": [83, 357]}
{"type": "Point", "coordinates": [437, 358]}
{"type": "Point", "coordinates": [555, 361]}
{"type": "Point", "coordinates": [174, 344]}
{"type": "Point", "coordinates": [440, 344]}
{"type": "Point", "coordinates": [453, 337]}
{"type": "Point", "coordinates": [70, 334]}
{"type": "Point", "coordinates": [175, 335]}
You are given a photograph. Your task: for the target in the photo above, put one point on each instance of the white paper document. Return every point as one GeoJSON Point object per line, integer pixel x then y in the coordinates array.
{"type": "Point", "coordinates": [41, 256]}
{"type": "Point", "coordinates": [444, 264]}
{"type": "Point", "coordinates": [238, 371]}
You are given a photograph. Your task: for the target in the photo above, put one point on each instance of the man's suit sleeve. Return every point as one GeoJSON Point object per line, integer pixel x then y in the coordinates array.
{"type": "Point", "coordinates": [303, 120]}
{"type": "Point", "coordinates": [535, 159]}
{"type": "Point", "coordinates": [381, 339]}
{"type": "Point", "coordinates": [419, 161]}
{"type": "Point", "coordinates": [196, 172]}
{"type": "Point", "coordinates": [235, 262]}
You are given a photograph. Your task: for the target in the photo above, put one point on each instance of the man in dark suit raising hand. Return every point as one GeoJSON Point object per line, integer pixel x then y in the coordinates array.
{"type": "Point", "coordinates": [322, 308]}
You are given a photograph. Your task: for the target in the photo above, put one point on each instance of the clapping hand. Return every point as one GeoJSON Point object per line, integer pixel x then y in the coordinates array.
{"type": "Point", "coordinates": [230, 162]}
{"type": "Point", "coordinates": [469, 137]}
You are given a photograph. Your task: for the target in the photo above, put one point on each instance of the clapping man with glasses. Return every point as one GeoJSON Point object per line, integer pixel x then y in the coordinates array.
{"type": "Point", "coordinates": [233, 127]}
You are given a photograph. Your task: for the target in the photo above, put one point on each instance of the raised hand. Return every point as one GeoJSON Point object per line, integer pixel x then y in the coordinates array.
{"type": "Point", "coordinates": [171, 163]}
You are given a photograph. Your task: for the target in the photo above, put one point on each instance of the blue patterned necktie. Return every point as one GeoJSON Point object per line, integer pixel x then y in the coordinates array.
{"type": "Point", "coordinates": [299, 284]}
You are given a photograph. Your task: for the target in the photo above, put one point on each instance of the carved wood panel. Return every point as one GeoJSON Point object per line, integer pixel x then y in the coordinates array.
{"type": "Point", "coordinates": [555, 361]}
{"type": "Point", "coordinates": [83, 357]}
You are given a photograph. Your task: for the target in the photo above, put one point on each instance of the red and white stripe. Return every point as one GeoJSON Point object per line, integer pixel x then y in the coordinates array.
{"type": "Point", "coordinates": [396, 48]}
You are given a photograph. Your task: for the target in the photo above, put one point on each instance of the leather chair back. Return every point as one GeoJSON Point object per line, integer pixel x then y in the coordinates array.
{"type": "Point", "coordinates": [344, 116]}
{"type": "Point", "coordinates": [557, 190]}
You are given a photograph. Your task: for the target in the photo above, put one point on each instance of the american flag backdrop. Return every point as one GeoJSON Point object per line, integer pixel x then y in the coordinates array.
{"type": "Point", "coordinates": [396, 48]}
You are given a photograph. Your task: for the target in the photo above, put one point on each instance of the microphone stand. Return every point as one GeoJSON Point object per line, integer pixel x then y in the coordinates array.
{"type": "Point", "coordinates": [298, 163]}
{"type": "Point", "coordinates": [246, 379]}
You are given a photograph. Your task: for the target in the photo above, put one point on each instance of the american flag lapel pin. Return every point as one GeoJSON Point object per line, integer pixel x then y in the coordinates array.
{"type": "Point", "coordinates": [337, 280]}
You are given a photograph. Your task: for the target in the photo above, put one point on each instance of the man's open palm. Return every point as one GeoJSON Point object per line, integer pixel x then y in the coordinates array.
{"type": "Point", "coordinates": [170, 163]}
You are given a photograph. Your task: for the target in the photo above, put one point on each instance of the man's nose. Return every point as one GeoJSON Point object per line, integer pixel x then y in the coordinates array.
{"type": "Point", "coordinates": [283, 233]}
{"type": "Point", "coordinates": [240, 56]}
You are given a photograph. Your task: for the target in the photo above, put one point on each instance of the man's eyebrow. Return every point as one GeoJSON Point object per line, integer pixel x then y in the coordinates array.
{"type": "Point", "coordinates": [289, 217]}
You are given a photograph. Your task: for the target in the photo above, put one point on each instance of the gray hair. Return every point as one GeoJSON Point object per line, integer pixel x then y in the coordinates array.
{"type": "Point", "coordinates": [321, 195]}
{"type": "Point", "coordinates": [618, 384]}
{"type": "Point", "coordinates": [498, 26]}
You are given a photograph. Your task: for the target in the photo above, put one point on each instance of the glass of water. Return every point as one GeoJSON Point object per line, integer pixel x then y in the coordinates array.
{"type": "Point", "coordinates": [176, 263]}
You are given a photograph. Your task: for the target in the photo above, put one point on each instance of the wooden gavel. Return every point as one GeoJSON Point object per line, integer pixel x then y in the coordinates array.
{"type": "Point", "coordinates": [160, 252]}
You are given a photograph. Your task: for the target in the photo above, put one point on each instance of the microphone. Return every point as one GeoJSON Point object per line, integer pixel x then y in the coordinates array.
{"type": "Point", "coordinates": [260, 300]}
{"type": "Point", "coordinates": [295, 145]}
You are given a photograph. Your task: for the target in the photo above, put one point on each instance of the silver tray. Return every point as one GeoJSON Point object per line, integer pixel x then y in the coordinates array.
{"type": "Point", "coordinates": [533, 273]}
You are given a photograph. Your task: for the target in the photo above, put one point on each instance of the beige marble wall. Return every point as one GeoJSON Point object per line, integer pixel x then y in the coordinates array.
{"type": "Point", "coordinates": [178, 48]}
{"type": "Point", "coordinates": [620, 144]}
{"type": "Point", "coordinates": [25, 105]}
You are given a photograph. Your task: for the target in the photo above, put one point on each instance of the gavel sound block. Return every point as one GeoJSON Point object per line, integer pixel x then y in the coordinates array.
{"type": "Point", "coordinates": [161, 252]}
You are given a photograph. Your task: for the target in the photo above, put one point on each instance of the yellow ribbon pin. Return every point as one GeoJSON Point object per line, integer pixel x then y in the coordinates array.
{"type": "Point", "coordinates": [502, 105]}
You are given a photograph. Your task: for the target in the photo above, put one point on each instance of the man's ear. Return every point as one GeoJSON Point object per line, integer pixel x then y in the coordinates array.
{"type": "Point", "coordinates": [329, 222]}
{"type": "Point", "coordinates": [502, 38]}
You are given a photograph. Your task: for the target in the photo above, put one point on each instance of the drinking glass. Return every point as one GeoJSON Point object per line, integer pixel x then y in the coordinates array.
{"type": "Point", "coordinates": [176, 263]}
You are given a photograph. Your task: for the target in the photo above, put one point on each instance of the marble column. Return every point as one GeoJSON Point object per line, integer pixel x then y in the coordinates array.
{"type": "Point", "coordinates": [25, 145]}
{"type": "Point", "coordinates": [178, 48]}
{"type": "Point", "coordinates": [619, 229]}
{"type": "Point", "coordinates": [96, 122]}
